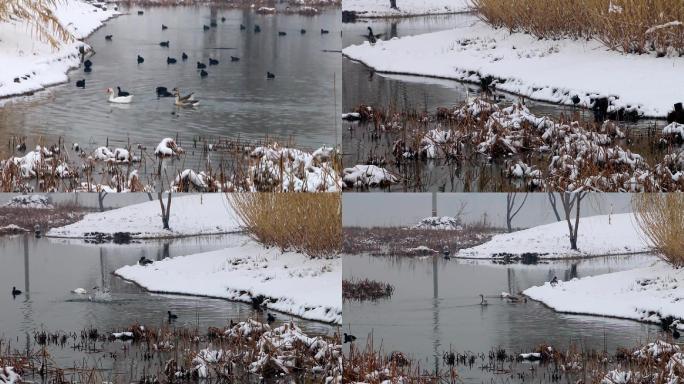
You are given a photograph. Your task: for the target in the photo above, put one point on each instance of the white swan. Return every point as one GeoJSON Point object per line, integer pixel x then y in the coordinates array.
{"type": "Point", "coordinates": [118, 99]}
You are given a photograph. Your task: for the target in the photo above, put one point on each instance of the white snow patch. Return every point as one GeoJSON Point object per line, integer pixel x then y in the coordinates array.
{"type": "Point", "coordinates": [381, 8]}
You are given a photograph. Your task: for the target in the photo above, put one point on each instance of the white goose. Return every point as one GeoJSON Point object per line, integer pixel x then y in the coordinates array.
{"type": "Point", "coordinates": [118, 99]}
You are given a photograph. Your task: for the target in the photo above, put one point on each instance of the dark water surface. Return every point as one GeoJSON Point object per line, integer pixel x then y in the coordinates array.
{"type": "Point", "coordinates": [48, 269]}
{"type": "Point", "coordinates": [236, 99]}
{"type": "Point", "coordinates": [435, 308]}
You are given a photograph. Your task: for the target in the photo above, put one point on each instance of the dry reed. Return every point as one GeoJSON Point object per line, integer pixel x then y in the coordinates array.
{"type": "Point", "coordinates": [300, 222]}
{"type": "Point", "coordinates": [631, 26]}
{"type": "Point", "coordinates": [661, 218]}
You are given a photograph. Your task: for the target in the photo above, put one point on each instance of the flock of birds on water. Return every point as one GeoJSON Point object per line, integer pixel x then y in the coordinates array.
{"type": "Point", "coordinates": [121, 96]}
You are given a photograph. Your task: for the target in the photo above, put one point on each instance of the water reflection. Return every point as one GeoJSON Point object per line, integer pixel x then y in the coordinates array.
{"type": "Point", "coordinates": [435, 307]}
{"type": "Point", "coordinates": [52, 269]}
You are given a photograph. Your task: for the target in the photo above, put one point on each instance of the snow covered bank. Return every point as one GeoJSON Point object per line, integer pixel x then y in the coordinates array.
{"type": "Point", "coordinates": [647, 294]}
{"type": "Point", "coordinates": [597, 236]}
{"type": "Point", "coordinates": [29, 65]}
{"type": "Point", "coordinates": [190, 216]}
{"type": "Point", "coordinates": [381, 8]}
{"type": "Point", "coordinates": [287, 282]}
{"type": "Point", "coordinates": [554, 71]}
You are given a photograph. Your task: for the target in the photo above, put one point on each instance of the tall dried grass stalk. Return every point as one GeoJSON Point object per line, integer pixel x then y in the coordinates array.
{"type": "Point", "coordinates": [661, 218]}
{"type": "Point", "coordinates": [39, 15]}
{"type": "Point", "coordinates": [310, 223]}
{"type": "Point", "coordinates": [633, 26]}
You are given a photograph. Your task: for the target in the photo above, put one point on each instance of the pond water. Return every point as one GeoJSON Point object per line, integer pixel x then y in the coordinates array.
{"type": "Point", "coordinates": [435, 308]}
{"type": "Point", "coordinates": [236, 98]}
{"type": "Point", "coordinates": [364, 86]}
{"type": "Point", "coordinates": [48, 269]}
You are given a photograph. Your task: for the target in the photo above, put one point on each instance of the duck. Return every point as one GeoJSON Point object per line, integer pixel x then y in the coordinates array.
{"type": "Point", "coordinates": [213, 61]}
{"type": "Point", "coordinates": [324, 31]}
{"type": "Point", "coordinates": [270, 318]}
{"type": "Point", "coordinates": [140, 12]}
{"type": "Point", "coordinates": [185, 101]}
{"type": "Point", "coordinates": [204, 73]}
{"type": "Point", "coordinates": [144, 261]}
{"type": "Point", "coordinates": [108, 37]}
{"type": "Point", "coordinates": [270, 75]}
{"type": "Point", "coordinates": [554, 281]}
{"type": "Point", "coordinates": [163, 92]}
{"type": "Point", "coordinates": [164, 27]}
{"type": "Point", "coordinates": [242, 27]}
{"type": "Point", "coordinates": [80, 83]}
{"type": "Point", "coordinates": [205, 27]}
{"type": "Point", "coordinates": [302, 31]}
{"type": "Point", "coordinates": [446, 253]}
{"type": "Point", "coordinates": [223, 19]}
{"type": "Point", "coordinates": [372, 38]}
{"type": "Point", "coordinates": [213, 24]}
{"type": "Point", "coordinates": [118, 99]}
{"type": "Point", "coordinates": [349, 338]}
{"type": "Point", "coordinates": [164, 44]}
{"type": "Point", "coordinates": [15, 291]}
{"type": "Point", "coordinates": [87, 64]}
{"type": "Point", "coordinates": [483, 301]}
{"type": "Point", "coordinates": [140, 59]}
{"type": "Point", "coordinates": [257, 29]}
{"type": "Point", "coordinates": [234, 58]}
{"type": "Point", "coordinates": [201, 65]}
{"type": "Point", "coordinates": [184, 56]}
{"type": "Point", "coordinates": [121, 93]}
{"type": "Point", "coordinates": [170, 60]}
{"type": "Point", "coordinates": [172, 316]}
{"type": "Point", "coordinates": [281, 33]}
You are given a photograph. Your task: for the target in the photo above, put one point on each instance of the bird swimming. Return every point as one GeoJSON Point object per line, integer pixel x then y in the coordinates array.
{"type": "Point", "coordinates": [164, 27]}
{"type": "Point", "coordinates": [140, 59]}
{"type": "Point", "coordinates": [205, 27]}
{"type": "Point", "coordinates": [483, 301]}
{"type": "Point", "coordinates": [15, 291]}
{"type": "Point", "coordinates": [201, 65]}
{"type": "Point", "coordinates": [257, 29]}
{"type": "Point", "coordinates": [324, 31]}
{"type": "Point", "coordinates": [171, 316]}
{"type": "Point", "coordinates": [349, 338]}
{"type": "Point", "coordinates": [270, 75]}
{"type": "Point", "coordinates": [281, 33]}
{"type": "Point", "coordinates": [108, 37]}
{"type": "Point", "coordinates": [204, 73]}
{"type": "Point", "coordinates": [164, 43]}
{"type": "Point", "coordinates": [184, 56]}
{"type": "Point", "coordinates": [213, 61]}
{"type": "Point", "coordinates": [118, 99]}
{"type": "Point", "coordinates": [234, 58]}
{"type": "Point", "coordinates": [163, 92]}
{"type": "Point", "coordinates": [170, 60]}
{"type": "Point", "coordinates": [121, 93]}
{"type": "Point", "coordinates": [185, 101]}
{"type": "Point", "coordinates": [80, 83]}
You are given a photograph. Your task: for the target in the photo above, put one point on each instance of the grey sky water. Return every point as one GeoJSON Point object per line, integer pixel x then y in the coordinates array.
{"type": "Point", "coordinates": [402, 209]}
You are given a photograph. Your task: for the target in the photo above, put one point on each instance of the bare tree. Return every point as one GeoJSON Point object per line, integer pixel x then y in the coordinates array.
{"type": "Point", "coordinates": [552, 201]}
{"type": "Point", "coordinates": [101, 194]}
{"type": "Point", "coordinates": [511, 211]}
{"type": "Point", "coordinates": [165, 210]}
{"type": "Point", "coordinates": [570, 201]}
{"type": "Point", "coordinates": [393, 4]}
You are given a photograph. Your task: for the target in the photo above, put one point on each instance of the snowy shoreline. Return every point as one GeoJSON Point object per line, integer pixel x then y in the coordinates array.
{"type": "Point", "coordinates": [286, 282]}
{"type": "Point", "coordinates": [544, 70]}
{"type": "Point", "coordinates": [649, 294]}
{"type": "Point", "coordinates": [375, 9]}
{"type": "Point", "coordinates": [29, 72]}
{"type": "Point", "coordinates": [602, 235]}
{"type": "Point", "coordinates": [192, 215]}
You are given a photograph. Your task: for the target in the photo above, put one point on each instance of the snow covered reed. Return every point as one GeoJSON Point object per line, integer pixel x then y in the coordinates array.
{"type": "Point", "coordinates": [366, 289]}
{"type": "Point", "coordinates": [661, 219]}
{"type": "Point", "coordinates": [306, 223]}
{"type": "Point", "coordinates": [625, 25]}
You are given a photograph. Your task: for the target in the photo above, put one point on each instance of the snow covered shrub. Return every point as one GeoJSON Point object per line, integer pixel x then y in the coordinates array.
{"type": "Point", "coordinates": [661, 218]}
{"type": "Point", "coordinates": [310, 223]}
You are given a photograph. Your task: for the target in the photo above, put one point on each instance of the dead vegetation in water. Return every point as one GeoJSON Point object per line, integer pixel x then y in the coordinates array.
{"type": "Point", "coordinates": [481, 145]}
{"type": "Point", "coordinates": [247, 351]}
{"type": "Point", "coordinates": [204, 165]}
{"type": "Point", "coordinates": [307, 223]}
{"type": "Point", "coordinates": [412, 242]}
{"type": "Point", "coordinates": [625, 25]}
{"type": "Point", "coordinates": [366, 289]}
{"type": "Point", "coordinates": [661, 218]}
{"type": "Point", "coordinates": [26, 219]}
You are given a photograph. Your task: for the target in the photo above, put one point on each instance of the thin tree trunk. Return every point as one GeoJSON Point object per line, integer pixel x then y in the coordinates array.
{"type": "Point", "coordinates": [393, 4]}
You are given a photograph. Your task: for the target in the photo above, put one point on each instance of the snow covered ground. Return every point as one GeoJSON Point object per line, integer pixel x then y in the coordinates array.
{"type": "Point", "coordinates": [381, 8]}
{"type": "Point", "coordinates": [288, 282]}
{"type": "Point", "coordinates": [191, 215]}
{"type": "Point", "coordinates": [29, 65]}
{"type": "Point", "coordinates": [645, 294]}
{"type": "Point", "coordinates": [597, 236]}
{"type": "Point", "coordinates": [548, 70]}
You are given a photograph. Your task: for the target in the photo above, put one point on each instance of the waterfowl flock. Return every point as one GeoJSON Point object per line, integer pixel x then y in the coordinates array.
{"type": "Point", "coordinates": [118, 96]}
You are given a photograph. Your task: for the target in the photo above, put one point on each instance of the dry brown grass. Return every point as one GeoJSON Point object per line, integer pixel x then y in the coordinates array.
{"type": "Point", "coordinates": [625, 25]}
{"type": "Point", "coordinates": [38, 14]}
{"type": "Point", "coordinates": [661, 218]}
{"type": "Point", "coordinates": [303, 222]}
